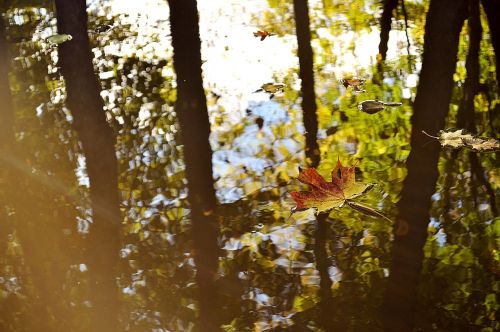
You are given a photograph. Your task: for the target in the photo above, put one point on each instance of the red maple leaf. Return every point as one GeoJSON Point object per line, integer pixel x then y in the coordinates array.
{"type": "Point", "coordinates": [324, 195]}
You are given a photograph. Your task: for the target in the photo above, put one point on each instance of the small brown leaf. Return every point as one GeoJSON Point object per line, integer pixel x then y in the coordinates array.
{"type": "Point", "coordinates": [354, 83]}
{"type": "Point", "coordinates": [263, 34]}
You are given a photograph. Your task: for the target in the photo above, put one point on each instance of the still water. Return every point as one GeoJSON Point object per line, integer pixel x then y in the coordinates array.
{"type": "Point", "coordinates": [272, 262]}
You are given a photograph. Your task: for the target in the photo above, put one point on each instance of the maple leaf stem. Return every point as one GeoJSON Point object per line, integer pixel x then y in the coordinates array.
{"type": "Point", "coordinates": [367, 210]}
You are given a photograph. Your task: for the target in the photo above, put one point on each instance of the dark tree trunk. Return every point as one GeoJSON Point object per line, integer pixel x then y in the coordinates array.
{"type": "Point", "coordinates": [86, 105]}
{"type": "Point", "coordinates": [306, 75]}
{"type": "Point", "coordinates": [191, 109]}
{"type": "Point", "coordinates": [385, 26]}
{"type": "Point", "coordinates": [492, 9]}
{"type": "Point", "coordinates": [444, 22]}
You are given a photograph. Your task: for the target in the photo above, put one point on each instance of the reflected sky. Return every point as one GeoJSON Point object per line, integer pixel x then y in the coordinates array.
{"type": "Point", "coordinates": [235, 65]}
{"type": "Point", "coordinates": [258, 145]}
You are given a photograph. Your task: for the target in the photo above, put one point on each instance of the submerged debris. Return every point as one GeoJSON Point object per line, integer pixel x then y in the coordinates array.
{"type": "Point", "coordinates": [375, 106]}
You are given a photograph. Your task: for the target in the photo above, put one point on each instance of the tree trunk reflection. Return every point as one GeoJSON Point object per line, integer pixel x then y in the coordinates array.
{"type": "Point", "coordinates": [191, 110]}
{"type": "Point", "coordinates": [306, 74]}
{"type": "Point", "coordinates": [44, 278]}
{"type": "Point", "coordinates": [443, 25]}
{"type": "Point", "coordinates": [313, 157]}
{"type": "Point", "coordinates": [385, 26]}
{"type": "Point", "coordinates": [97, 139]}
{"type": "Point", "coordinates": [492, 9]}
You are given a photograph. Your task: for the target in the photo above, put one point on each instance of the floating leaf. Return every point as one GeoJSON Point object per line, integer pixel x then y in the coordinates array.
{"type": "Point", "coordinates": [460, 138]}
{"type": "Point", "coordinates": [271, 88]}
{"type": "Point", "coordinates": [354, 83]}
{"type": "Point", "coordinates": [327, 195]}
{"type": "Point", "coordinates": [263, 34]}
{"type": "Point", "coordinates": [482, 144]}
{"type": "Point", "coordinates": [375, 106]}
{"type": "Point", "coordinates": [103, 28]}
{"type": "Point", "coordinates": [453, 139]}
{"type": "Point", "coordinates": [58, 39]}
